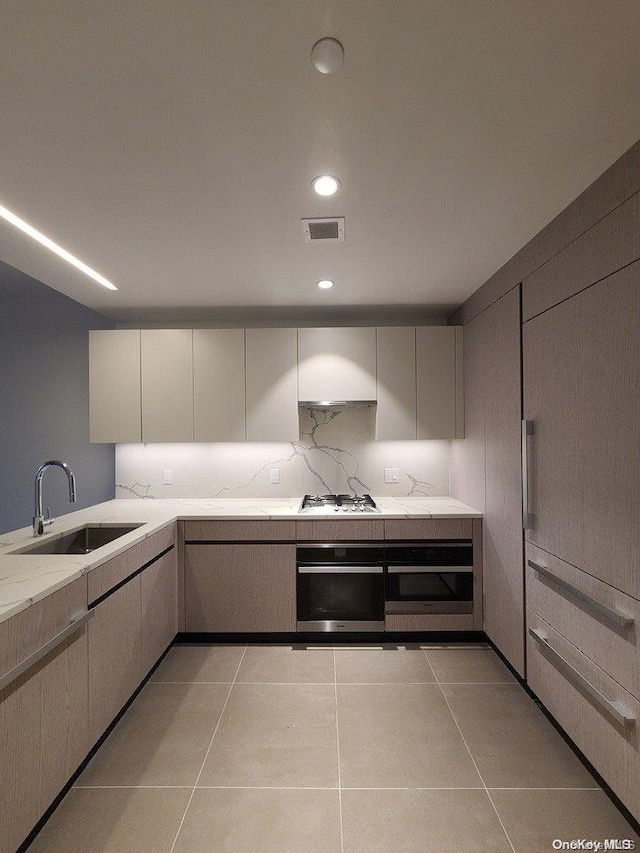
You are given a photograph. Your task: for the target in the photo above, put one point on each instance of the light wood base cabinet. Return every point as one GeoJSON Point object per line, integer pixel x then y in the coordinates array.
{"type": "Point", "coordinates": [159, 608]}
{"type": "Point", "coordinates": [43, 713]}
{"type": "Point", "coordinates": [114, 655]}
{"type": "Point", "coordinates": [240, 587]}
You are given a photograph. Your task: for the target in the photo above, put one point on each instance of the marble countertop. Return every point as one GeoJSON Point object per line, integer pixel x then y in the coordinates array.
{"type": "Point", "coordinates": [27, 578]}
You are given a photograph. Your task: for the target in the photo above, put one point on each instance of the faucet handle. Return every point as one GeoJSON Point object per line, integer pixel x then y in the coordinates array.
{"type": "Point", "coordinates": [47, 519]}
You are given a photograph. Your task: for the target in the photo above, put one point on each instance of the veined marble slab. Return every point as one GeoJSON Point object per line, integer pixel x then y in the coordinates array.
{"type": "Point", "coordinates": [27, 578]}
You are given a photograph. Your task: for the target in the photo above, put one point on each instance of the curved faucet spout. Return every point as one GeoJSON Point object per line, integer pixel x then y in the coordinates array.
{"type": "Point", "coordinates": [39, 521]}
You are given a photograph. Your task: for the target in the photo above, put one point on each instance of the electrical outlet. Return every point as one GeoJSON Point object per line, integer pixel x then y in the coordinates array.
{"type": "Point", "coordinates": [274, 479]}
{"type": "Point", "coordinates": [167, 476]}
{"type": "Point", "coordinates": [392, 475]}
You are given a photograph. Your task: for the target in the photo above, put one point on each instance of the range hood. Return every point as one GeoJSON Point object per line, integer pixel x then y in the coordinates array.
{"type": "Point", "coordinates": [336, 404]}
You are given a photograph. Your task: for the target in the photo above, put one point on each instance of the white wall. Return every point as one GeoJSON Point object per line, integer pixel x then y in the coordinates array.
{"type": "Point", "coordinates": [336, 454]}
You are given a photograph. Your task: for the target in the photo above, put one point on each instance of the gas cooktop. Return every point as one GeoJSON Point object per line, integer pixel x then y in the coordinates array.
{"type": "Point", "coordinates": [325, 504]}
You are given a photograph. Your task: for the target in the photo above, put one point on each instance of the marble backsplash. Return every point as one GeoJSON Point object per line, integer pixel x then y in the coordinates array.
{"type": "Point", "coordinates": [336, 453]}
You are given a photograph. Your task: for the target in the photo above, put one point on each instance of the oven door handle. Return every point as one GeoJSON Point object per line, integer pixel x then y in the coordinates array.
{"type": "Point", "coordinates": [341, 570]}
{"type": "Point", "coordinates": [402, 570]}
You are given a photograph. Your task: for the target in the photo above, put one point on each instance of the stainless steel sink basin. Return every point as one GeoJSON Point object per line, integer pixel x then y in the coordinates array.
{"type": "Point", "coordinates": [81, 541]}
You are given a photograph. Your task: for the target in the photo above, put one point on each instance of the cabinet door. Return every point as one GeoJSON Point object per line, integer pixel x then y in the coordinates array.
{"type": "Point", "coordinates": [218, 385]}
{"type": "Point", "coordinates": [581, 390]}
{"type": "Point", "coordinates": [114, 655]}
{"type": "Point", "coordinates": [336, 364]}
{"type": "Point", "coordinates": [159, 620]}
{"type": "Point", "coordinates": [503, 568]}
{"type": "Point", "coordinates": [439, 382]}
{"type": "Point", "coordinates": [396, 383]}
{"type": "Point", "coordinates": [115, 413]}
{"type": "Point", "coordinates": [43, 713]}
{"type": "Point", "coordinates": [272, 403]}
{"type": "Point", "coordinates": [167, 385]}
{"type": "Point", "coordinates": [240, 587]}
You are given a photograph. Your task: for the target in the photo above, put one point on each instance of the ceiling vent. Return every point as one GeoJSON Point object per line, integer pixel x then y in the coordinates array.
{"type": "Point", "coordinates": [324, 230]}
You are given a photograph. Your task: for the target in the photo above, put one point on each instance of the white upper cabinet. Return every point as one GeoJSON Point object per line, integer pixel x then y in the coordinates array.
{"type": "Point", "coordinates": [218, 385]}
{"type": "Point", "coordinates": [114, 386]}
{"type": "Point", "coordinates": [336, 364]}
{"type": "Point", "coordinates": [396, 410]}
{"type": "Point", "coordinates": [167, 385]}
{"type": "Point", "coordinates": [439, 382]}
{"type": "Point", "coordinates": [272, 403]}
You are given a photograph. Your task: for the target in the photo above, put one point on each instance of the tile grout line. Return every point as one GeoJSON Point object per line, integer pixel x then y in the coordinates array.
{"type": "Point", "coordinates": [335, 690]}
{"type": "Point", "coordinates": [171, 849]}
{"type": "Point", "coordinates": [470, 755]}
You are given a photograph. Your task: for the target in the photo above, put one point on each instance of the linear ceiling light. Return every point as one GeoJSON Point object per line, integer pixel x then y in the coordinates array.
{"type": "Point", "coordinates": [58, 250]}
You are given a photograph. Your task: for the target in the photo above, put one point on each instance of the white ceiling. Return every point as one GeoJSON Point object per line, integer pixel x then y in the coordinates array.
{"type": "Point", "coordinates": [170, 143]}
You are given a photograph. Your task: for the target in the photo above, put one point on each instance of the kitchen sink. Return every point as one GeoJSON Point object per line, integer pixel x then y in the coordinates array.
{"type": "Point", "coordinates": [81, 541]}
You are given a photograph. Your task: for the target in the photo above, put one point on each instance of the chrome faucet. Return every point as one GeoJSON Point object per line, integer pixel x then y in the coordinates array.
{"type": "Point", "coordinates": [39, 521]}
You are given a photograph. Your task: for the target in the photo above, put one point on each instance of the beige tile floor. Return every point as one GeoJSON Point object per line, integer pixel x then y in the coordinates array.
{"type": "Point", "coordinates": [274, 749]}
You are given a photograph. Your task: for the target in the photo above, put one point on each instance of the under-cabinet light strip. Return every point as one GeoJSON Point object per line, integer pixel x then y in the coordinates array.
{"type": "Point", "coordinates": [53, 247]}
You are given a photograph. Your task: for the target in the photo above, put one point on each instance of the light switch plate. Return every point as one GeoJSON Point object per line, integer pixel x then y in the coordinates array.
{"type": "Point", "coordinates": [392, 475]}
{"type": "Point", "coordinates": [167, 476]}
{"type": "Point", "coordinates": [274, 479]}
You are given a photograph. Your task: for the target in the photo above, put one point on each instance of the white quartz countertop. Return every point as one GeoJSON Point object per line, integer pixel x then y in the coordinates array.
{"type": "Point", "coordinates": [27, 578]}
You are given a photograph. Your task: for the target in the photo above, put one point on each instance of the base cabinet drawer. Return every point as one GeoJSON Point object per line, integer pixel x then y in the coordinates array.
{"type": "Point", "coordinates": [240, 587]}
{"type": "Point", "coordinates": [595, 711]}
{"type": "Point", "coordinates": [43, 711]}
{"type": "Point", "coordinates": [428, 622]}
{"type": "Point", "coordinates": [596, 618]}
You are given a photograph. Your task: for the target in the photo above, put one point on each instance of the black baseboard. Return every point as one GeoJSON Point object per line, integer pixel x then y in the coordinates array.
{"type": "Point", "coordinates": [63, 793]}
{"type": "Point", "coordinates": [617, 802]}
{"type": "Point", "coordinates": [310, 638]}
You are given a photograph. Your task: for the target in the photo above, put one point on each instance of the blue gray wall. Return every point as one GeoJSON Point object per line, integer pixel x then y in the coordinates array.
{"type": "Point", "coordinates": [44, 400]}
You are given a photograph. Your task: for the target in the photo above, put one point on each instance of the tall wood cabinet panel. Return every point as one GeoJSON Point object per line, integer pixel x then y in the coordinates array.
{"type": "Point", "coordinates": [43, 713]}
{"type": "Point", "coordinates": [396, 415]}
{"type": "Point", "coordinates": [337, 364]}
{"type": "Point", "coordinates": [240, 587]}
{"type": "Point", "coordinates": [114, 386]}
{"type": "Point", "coordinates": [503, 570]}
{"type": "Point", "coordinates": [439, 383]}
{"type": "Point", "coordinates": [581, 390]}
{"type": "Point", "coordinates": [468, 456]}
{"type": "Point", "coordinates": [167, 385]}
{"type": "Point", "coordinates": [272, 398]}
{"type": "Point", "coordinates": [218, 385]}
{"type": "Point", "coordinates": [608, 246]}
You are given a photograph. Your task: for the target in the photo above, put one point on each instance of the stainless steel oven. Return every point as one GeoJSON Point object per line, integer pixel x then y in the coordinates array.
{"type": "Point", "coordinates": [429, 577]}
{"type": "Point", "coordinates": [340, 587]}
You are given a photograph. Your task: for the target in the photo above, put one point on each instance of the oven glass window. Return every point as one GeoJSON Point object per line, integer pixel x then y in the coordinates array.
{"type": "Point", "coordinates": [340, 596]}
{"type": "Point", "coordinates": [434, 586]}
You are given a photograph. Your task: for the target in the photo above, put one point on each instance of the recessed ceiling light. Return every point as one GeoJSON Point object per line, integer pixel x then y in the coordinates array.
{"type": "Point", "coordinates": [325, 284]}
{"type": "Point", "coordinates": [53, 247]}
{"type": "Point", "coordinates": [325, 184]}
{"type": "Point", "coordinates": [327, 55]}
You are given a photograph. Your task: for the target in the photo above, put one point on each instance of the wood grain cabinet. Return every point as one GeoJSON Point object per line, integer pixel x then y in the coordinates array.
{"type": "Point", "coordinates": [159, 608]}
{"type": "Point", "coordinates": [115, 412]}
{"type": "Point", "coordinates": [233, 587]}
{"type": "Point", "coordinates": [43, 712]}
{"type": "Point", "coordinates": [114, 655]}
{"type": "Point", "coordinates": [218, 385]}
{"type": "Point", "coordinates": [167, 384]}
{"type": "Point", "coordinates": [272, 400]}
{"type": "Point", "coordinates": [336, 364]}
{"type": "Point", "coordinates": [439, 382]}
{"type": "Point", "coordinates": [581, 391]}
